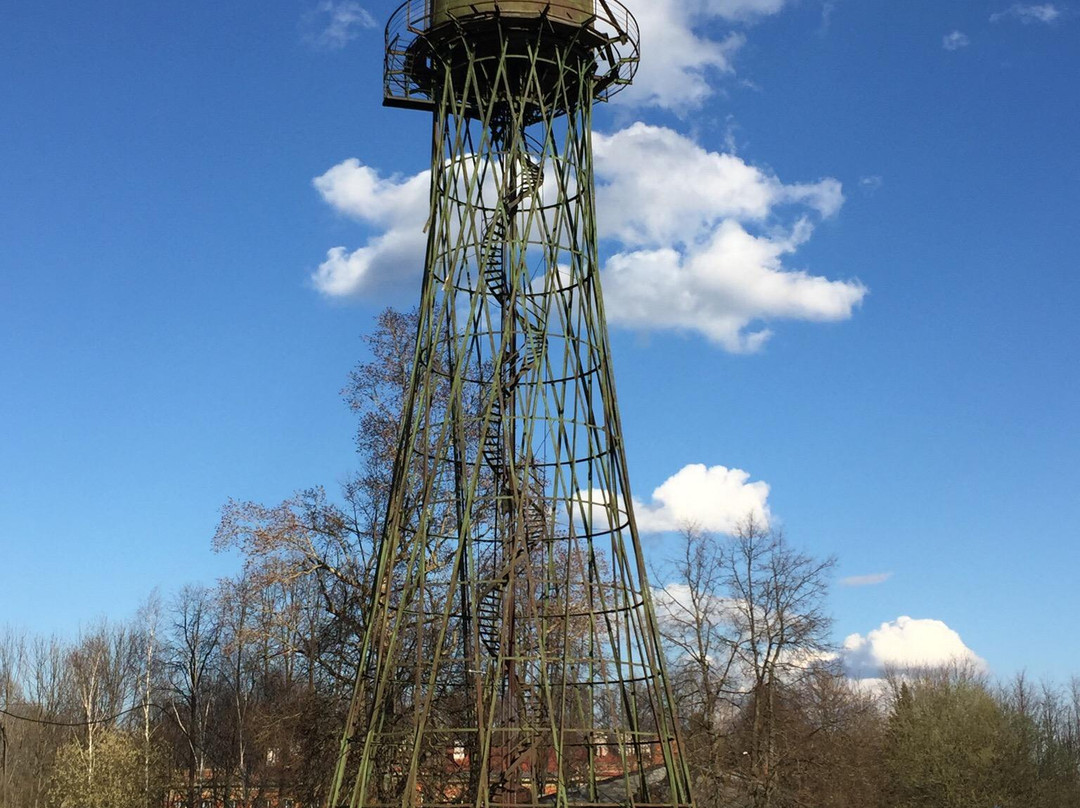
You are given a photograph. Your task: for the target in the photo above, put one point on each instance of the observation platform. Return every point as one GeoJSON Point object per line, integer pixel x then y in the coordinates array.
{"type": "Point", "coordinates": [425, 37]}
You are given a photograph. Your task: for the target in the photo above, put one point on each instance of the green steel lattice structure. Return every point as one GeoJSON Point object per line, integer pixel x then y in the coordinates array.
{"type": "Point", "coordinates": [511, 655]}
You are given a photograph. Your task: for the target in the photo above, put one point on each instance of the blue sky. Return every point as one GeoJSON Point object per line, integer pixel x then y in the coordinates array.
{"type": "Point", "coordinates": [165, 342]}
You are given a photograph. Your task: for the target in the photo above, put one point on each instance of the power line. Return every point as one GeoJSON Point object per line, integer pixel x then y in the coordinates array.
{"type": "Point", "coordinates": [49, 723]}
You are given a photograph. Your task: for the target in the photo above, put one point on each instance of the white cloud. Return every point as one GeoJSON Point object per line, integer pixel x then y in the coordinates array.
{"type": "Point", "coordinates": [744, 10]}
{"type": "Point", "coordinates": [359, 191]}
{"type": "Point", "coordinates": [828, 8]}
{"type": "Point", "coordinates": [686, 189]}
{"type": "Point", "coordinates": [955, 41]}
{"type": "Point", "coordinates": [871, 183]}
{"type": "Point", "coordinates": [595, 509]}
{"type": "Point", "coordinates": [678, 65]}
{"type": "Point", "coordinates": [688, 261]}
{"type": "Point", "coordinates": [1029, 13]}
{"type": "Point", "coordinates": [699, 238]}
{"type": "Point", "coordinates": [337, 23]}
{"type": "Point", "coordinates": [720, 288]}
{"type": "Point", "coordinates": [905, 644]}
{"type": "Point", "coordinates": [713, 498]}
{"type": "Point", "coordinates": [680, 60]}
{"type": "Point", "coordinates": [671, 599]}
{"type": "Point", "coordinates": [396, 205]}
{"type": "Point", "coordinates": [675, 606]}
{"type": "Point", "coordinates": [866, 580]}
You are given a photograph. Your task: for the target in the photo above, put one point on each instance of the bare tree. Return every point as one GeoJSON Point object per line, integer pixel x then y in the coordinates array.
{"type": "Point", "coordinates": [376, 392]}
{"type": "Point", "coordinates": [834, 734]}
{"type": "Point", "coordinates": [13, 653]}
{"type": "Point", "coordinates": [745, 624]}
{"type": "Point", "coordinates": [308, 562]}
{"type": "Point", "coordinates": [103, 669]}
{"type": "Point", "coordinates": [46, 698]}
{"type": "Point", "coordinates": [306, 536]}
{"type": "Point", "coordinates": [149, 625]}
{"type": "Point", "coordinates": [696, 623]}
{"type": "Point", "coordinates": [781, 629]}
{"type": "Point", "coordinates": [194, 640]}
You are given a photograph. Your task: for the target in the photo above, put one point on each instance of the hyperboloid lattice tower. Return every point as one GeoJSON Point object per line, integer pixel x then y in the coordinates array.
{"type": "Point", "coordinates": [511, 654]}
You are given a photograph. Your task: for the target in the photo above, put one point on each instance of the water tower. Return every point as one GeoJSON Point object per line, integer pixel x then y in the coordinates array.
{"type": "Point", "coordinates": [511, 655]}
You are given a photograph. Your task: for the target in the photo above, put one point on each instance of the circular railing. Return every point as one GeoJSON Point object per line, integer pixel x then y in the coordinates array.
{"type": "Point", "coordinates": [612, 33]}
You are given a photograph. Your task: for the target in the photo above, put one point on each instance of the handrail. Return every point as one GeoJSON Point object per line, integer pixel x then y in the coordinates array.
{"type": "Point", "coordinates": [612, 27]}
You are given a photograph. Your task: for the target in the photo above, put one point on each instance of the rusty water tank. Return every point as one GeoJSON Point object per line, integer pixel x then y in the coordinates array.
{"type": "Point", "coordinates": [573, 12]}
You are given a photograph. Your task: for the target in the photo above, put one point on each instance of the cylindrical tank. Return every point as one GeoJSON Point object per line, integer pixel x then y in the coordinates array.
{"type": "Point", "coordinates": [574, 12]}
